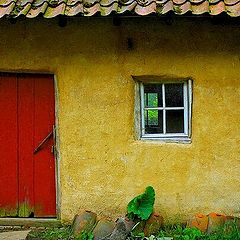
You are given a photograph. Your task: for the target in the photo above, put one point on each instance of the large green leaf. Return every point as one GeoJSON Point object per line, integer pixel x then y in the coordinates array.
{"type": "Point", "coordinates": [142, 205]}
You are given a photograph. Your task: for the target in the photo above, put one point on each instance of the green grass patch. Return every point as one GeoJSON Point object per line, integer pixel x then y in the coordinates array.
{"type": "Point", "coordinates": [230, 231]}
{"type": "Point", "coordinates": [57, 234]}
{"type": "Point", "coordinates": [51, 234]}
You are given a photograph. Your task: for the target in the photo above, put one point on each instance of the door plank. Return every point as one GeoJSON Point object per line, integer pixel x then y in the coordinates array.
{"type": "Point", "coordinates": [25, 141]}
{"type": "Point", "coordinates": [8, 145]}
{"type": "Point", "coordinates": [44, 164]}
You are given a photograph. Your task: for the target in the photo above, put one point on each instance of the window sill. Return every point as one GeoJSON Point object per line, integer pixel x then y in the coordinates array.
{"type": "Point", "coordinates": [185, 140]}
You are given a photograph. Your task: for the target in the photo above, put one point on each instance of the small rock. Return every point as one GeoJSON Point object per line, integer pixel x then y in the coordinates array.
{"type": "Point", "coordinates": [215, 221]}
{"type": "Point", "coordinates": [8, 227]}
{"type": "Point", "coordinates": [199, 221]}
{"type": "Point", "coordinates": [153, 224]}
{"type": "Point", "coordinates": [122, 229]}
{"type": "Point", "coordinates": [84, 221]}
{"type": "Point", "coordinates": [103, 229]}
{"type": "Point", "coordinates": [16, 228]}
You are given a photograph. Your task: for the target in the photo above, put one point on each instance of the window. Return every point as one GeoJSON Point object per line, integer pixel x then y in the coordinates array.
{"type": "Point", "coordinates": [165, 110]}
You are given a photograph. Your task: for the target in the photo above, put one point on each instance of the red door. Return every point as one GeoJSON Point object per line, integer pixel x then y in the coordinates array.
{"type": "Point", "coordinates": [27, 166]}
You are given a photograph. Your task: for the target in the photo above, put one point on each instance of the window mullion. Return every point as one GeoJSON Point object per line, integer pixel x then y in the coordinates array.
{"type": "Point", "coordinates": [164, 110]}
{"type": "Point", "coordinates": [142, 108]}
{"type": "Point", "coordinates": [145, 109]}
{"type": "Point", "coordinates": [185, 102]}
{"type": "Point", "coordinates": [189, 94]}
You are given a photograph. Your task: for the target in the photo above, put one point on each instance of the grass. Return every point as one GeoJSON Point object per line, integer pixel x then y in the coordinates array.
{"type": "Point", "coordinates": [230, 231]}
{"type": "Point", "coordinates": [57, 234]}
{"type": "Point", "coordinates": [51, 234]}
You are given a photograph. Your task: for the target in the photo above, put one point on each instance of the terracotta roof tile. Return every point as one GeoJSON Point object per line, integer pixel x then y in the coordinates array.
{"type": "Point", "coordinates": [52, 8]}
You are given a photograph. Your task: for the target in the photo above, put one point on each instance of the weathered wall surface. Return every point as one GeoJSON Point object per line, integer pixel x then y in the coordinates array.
{"type": "Point", "coordinates": [102, 166]}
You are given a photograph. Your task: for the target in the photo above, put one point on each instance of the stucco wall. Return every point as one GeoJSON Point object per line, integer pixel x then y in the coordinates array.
{"type": "Point", "coordinates": [102, 166]}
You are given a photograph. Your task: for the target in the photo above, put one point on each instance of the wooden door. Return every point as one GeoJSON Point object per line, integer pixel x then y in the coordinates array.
{"type": "Point", "coordinates": [27, 166]}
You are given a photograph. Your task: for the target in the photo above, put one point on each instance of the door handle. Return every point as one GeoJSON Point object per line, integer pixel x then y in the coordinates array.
{"type": "Point", "coordinates": [42, 142]}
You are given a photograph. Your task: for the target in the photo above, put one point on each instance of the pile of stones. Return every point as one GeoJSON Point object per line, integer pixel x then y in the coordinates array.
{"type": "Point", "coordinates": [211, 222]}
{"type": "Point", "coordinates": [107, 229]}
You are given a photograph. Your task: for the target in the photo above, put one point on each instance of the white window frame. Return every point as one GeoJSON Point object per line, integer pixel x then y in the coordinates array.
{"type": "Point", "coordinates": [187, 100]}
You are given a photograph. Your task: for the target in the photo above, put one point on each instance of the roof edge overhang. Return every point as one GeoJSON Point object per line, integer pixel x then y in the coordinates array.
{"type": "Point", "coordinates": [87, 8]}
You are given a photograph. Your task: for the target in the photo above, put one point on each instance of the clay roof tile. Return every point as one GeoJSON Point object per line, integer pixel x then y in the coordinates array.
{"type": "Point", "coordinates": [53, 8]}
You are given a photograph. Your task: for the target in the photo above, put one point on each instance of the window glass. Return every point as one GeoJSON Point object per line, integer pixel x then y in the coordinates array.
{"type": "Point", "coordinates": [174, 95]}
{"type": "Point", "coordinates": [153, 121]}
{"type": "Point", "coordinates": [153, 95]}
{"type": "Point", "coordinates": [175, 121]}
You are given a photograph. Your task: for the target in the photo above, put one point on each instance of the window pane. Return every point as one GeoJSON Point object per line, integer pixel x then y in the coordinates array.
{"type": "Point", "coordinates": [153, 121]}
{"type": "Point", "coordinates": [152, 100]}
{"type": "Point", "coordinates": [174, 95]}
{"type": "Point", "coordinates": [175, 121]}
{"type": "Point", "coordinates": [153, 95]}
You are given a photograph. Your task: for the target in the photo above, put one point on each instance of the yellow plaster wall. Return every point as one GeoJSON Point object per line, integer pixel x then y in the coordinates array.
{"type": "Point", "coordinates": [102, 166]}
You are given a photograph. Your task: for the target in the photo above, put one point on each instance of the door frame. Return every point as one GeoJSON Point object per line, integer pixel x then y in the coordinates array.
{"type": "Point", "coordinates": [57, 155]}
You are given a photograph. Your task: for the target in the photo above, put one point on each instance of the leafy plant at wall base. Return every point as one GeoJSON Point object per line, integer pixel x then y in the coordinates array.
{"type": "Point", "coordinates": [191, 234]}
{"type": "Point", "coordinates": [84, 235]}
{"type": "Point", "coordinates": [142, 205]}
{"type": "Point", "coordinates": [230, 231]}
{"type": "Point", "coordinates": [51, 234]}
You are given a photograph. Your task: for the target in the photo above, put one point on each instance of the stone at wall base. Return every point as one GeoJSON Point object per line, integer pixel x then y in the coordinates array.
{"type": "Point", "coordinates": [84, 221]}
{"type": "Point", "coordinates": [215, 222]}
{"type": "Point", "coordinates": [199, 221]}
{"type": "Point", "coordinates": [212, 222]}
{"type": "Point", "coordinates": [153, 224]}
{"type": "Point", "coordinates": [103, 229]}
{"type": "Point", "coordinates": [122, 229]}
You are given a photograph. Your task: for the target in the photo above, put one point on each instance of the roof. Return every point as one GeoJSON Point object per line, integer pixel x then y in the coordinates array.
{"type": "Point", "coordinates": [52, 8]}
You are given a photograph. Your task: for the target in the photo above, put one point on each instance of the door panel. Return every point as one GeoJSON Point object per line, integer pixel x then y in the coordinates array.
{"type": "Point", "coordinates": [25, 145]}
{"type": "Point", "coordinates": [44, 161]}
{"type": "Point", "coordinates": [8, 146]}
{"type": "Point", "coordinates": [27, 179]}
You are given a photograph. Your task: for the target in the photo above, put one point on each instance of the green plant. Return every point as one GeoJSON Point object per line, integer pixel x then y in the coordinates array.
{"type": "Point", "coordinates": [84, 235]}
{"type": "Point", "coordinates": [230, 231]}
{"type": "Point", "coordinates": [52, 234]}
{"type": "Point", "coordinates": [62, 233]}
{"type": "Point", "coordinates": [142, 205]}
{"type": "Point", "coordinates": [170, 230]}
{"type": "Point", "coordinates": [137, 230]}
{"type": "Point", "coordinates": [191, 234]}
